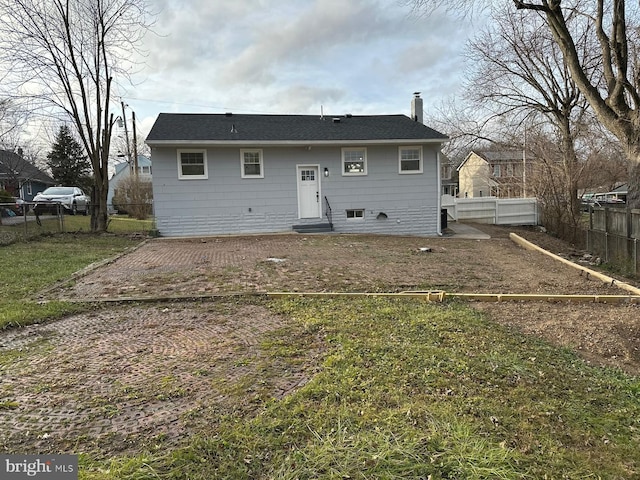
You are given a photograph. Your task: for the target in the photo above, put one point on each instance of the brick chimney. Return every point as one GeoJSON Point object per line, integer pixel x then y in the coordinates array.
{"type": "Point", "coordinates": [416, 107]}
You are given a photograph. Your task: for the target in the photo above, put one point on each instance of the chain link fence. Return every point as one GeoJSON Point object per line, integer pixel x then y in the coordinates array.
{"type": "Point", "coordinates": [602, 237]}
{"type": "Point", "coordinates": [621, 252]}
{"type": "Point", "coordinates": [22, 224]}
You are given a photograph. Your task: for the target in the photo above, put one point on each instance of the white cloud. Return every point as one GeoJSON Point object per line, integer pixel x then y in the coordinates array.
{"type": "Point", "coordinates": [277, 56]}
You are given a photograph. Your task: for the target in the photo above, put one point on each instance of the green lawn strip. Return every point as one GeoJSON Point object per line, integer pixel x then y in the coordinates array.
{"type": "Point", "coordinates": [415, 390]}
{"type": "Point", "coordinates": [23, 312]}
{"type": "Point", "coordinates": [117, 224]}
{"type": "Point", "coordinates": [31, 266]}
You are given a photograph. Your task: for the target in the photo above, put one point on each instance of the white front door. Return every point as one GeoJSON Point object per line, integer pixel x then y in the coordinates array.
{"type": "Point", "coordinates": [309, 204]}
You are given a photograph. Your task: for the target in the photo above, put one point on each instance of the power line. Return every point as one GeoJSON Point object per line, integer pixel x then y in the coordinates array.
{"type": "Point", "coordinates": [210, 107]}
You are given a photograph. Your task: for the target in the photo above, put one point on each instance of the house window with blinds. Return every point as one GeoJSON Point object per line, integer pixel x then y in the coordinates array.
{"type": "Point", "coordinates": [410, 159]}
{"type": "Point", "coordinates": [192, 164]}
{"type": "Point", "coordinates": [251, 163]}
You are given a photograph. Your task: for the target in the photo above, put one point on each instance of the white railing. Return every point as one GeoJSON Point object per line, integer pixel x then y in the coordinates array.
{"type": "Point", "coordinates": [492, 210]}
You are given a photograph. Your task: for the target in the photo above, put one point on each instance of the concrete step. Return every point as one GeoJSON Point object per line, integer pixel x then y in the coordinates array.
{"type": "Point", "coordinates": [313, 228]}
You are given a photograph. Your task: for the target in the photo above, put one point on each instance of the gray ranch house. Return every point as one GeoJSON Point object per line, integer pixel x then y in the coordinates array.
{"type": "Point", "coordinates": [236, 174]}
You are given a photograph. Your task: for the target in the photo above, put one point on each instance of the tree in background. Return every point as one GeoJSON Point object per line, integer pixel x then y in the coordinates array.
{"type": "Point", "coordinates": [13, 118]}
{"type": "Point", "coordinates": [134, 196]}
{"type": "Point", "coordinates": [66, 55]}
{"type": "Point", "coordinates": [519, 74]}
{"type": "Point", "coordinates": [612, 28]}
{"type": "Point", "coordinates": [68, 162]}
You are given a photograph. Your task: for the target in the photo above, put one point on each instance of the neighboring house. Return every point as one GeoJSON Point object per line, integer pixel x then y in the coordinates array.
{"type": "Point", "coordinates": [619, 193]}
{"type": "Point", "coordinates": [448, 176]}
{"type": "Point", "coordinates": [125, 170]}
{"type": "Point", "coordinates": [228, 173]}
{"type": "Point", "coordinates": [21, 178]}
{"type": "Point", "coordinates": [494, 173]}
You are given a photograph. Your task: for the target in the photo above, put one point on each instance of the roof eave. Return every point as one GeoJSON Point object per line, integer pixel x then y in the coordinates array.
{"type": "Point", "coordinates": [290, 143]}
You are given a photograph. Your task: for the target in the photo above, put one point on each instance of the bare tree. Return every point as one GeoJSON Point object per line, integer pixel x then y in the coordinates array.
{"type": "Point", "coordinates": [617, 105]}
{"type": "Point", "coordinates": [518, 72]}
{"type": "Point", "coordinates": [605, 164]}
{"type": "Point", "coordinates": [466, 131]}
{"type": "Point", "coordinates": [612, 27]}
{"type": "Point", "coordinates": [13, 118]}
{"type": "Point", "coordinates": [66, 54]}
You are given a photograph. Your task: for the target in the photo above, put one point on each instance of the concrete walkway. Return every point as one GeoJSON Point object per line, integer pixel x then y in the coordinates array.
{"type": "Point", "coordinates": [462, 230]}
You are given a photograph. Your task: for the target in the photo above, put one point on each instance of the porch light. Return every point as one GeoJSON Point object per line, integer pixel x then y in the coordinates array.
{"type": "Point", "coordinates": [326, 172]}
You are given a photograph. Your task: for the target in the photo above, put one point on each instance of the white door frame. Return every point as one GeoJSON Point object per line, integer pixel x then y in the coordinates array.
{"type": "Point", "coordinates": [319, 191]}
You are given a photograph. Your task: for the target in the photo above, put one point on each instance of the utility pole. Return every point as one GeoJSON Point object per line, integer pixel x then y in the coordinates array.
{"type": "Point", "coordinates": [135, 144]}
{"type": "Point", "coordinates": [126, 136]}
{"type": "Point", "coordinates": [524, 165]}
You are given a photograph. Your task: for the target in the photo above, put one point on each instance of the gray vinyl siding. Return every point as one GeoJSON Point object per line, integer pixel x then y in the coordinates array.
{"type": "Point", "coordinates": [225, 203]}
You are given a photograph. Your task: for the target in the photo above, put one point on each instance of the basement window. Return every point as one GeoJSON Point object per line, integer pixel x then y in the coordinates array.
{"type": "Point", "coordinates": [355, 214]}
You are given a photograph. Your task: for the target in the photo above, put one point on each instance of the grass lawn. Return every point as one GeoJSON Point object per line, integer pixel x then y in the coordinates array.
{"type": "Point", "coordinates": [28, 267]}
{"type": "Point", "coordinates": [118, 224]}
{"type": "Point", "coordinates": [413, 390]}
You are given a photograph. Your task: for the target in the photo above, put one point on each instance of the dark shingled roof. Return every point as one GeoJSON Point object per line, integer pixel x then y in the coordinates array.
{"type": "Point", "coordinates": [13, 166]}
{"type": "Point", "coordinates": [193, 127]}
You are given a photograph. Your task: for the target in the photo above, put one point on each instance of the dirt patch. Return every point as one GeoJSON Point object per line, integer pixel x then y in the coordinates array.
{"type": "Point", "coordinates": [140, 376]}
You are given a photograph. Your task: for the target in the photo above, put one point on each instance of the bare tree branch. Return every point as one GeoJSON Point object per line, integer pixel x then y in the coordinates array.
{"type": "Point", "coordinates": [67, 54]}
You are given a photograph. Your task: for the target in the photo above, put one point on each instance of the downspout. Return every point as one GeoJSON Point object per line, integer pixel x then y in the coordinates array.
{"type": "Point", "coordinates": [439, 186]}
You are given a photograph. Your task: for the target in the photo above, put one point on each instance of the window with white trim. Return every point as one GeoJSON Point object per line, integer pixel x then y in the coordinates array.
{"type": "Point", "coordinates": [251, 163]}
{"type": "Point", "coordinates": [355, 214]}
{"type": "Point", "coordinates": [410, 159]}
{"type": "Point", "coordinates": [496, 170]}
{"type": "Point", "coordinates": [354, 161]}
{"type": "Point", "coordinates": [192, 164]}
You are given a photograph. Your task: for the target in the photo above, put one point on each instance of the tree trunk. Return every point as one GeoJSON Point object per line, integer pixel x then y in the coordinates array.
{"type": "Point", "coordinates": [99, 215]}
{"type": "Point", "coordinates": [633, 195]}
{"type": "Point", "coordinates": [570, 162]}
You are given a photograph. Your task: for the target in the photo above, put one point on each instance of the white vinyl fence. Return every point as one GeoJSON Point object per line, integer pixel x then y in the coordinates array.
{"type": "Point", "coordinates": [492, 210]}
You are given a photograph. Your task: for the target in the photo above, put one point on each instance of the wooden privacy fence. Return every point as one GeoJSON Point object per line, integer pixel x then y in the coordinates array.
{"type": "Point", "coordinates": [492, 210]}
{"type": "Point", "coordinates": [614, 236]}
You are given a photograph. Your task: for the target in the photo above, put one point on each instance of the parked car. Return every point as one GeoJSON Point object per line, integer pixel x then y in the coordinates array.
{"type": "Point", "coordinates": [72, 199]}
{"type": "Point", "coordinates": [15, 207]}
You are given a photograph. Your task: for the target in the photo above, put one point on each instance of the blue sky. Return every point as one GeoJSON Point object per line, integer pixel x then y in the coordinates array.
{"type": "Point", "coordinates": [294, 56]}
